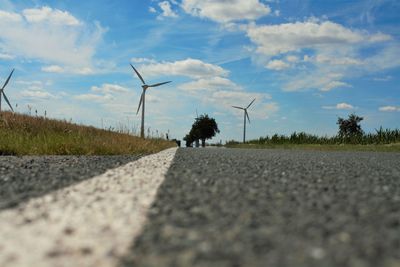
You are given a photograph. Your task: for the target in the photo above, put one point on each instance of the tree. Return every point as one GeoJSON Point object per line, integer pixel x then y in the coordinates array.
{"type": "Point", "coordinates": [351, 127]}
{"type": "Point", "coordinates": [189, 139]}
{"type": "Point", "coordinates": [203, 128]}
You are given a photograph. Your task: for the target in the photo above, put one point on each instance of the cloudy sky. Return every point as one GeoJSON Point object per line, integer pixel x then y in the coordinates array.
{"type": "Point", "coordinates": [305, 62]}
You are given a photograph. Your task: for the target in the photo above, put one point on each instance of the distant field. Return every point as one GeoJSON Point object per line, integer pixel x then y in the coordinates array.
{"type": "Point", "coordinates": [27, 135]}
{"type": "Point", "coordinates": [345, 147]}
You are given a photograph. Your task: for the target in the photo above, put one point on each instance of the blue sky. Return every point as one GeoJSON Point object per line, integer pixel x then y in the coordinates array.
{"type": "Point", "coordinates": [306, 62]}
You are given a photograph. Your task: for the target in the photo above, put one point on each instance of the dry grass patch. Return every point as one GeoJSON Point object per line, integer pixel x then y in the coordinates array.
{"type": "Point", "coordinates": [27, 135]}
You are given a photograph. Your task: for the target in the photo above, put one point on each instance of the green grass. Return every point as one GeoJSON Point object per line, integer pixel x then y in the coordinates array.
{"type": "Point", "coordinates": [27, 135]}
{"type": "Point", "coordinates": [381, 140]}
{"type": "Point", "coordinates": [323, 147]}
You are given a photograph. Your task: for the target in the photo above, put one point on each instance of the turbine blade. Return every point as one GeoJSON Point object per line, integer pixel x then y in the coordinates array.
{"type": "Point", "coordinates": [140, 103]}
{"type": "Point", "coordinates": [251, 103]}
{"type": "Point", "coordinates": [238, 107]}
{"type": "Point", "coordinates": [8, 102]}
{"type": "Point", "coordinates": [138, 74]}
{"type": "Point", "coordinates": [247, 115]}
{"type": "Point", "coordinates": [8, 79]}
{"type": "Point", "coordinates": [158, 84]}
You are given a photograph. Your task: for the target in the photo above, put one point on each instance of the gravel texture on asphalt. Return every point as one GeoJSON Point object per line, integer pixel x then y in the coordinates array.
{"type": "Point", "coordinates": [22, 178]}
{"type": "Point", "coordinates": [91, 223]}
{"type": "Point", "coordinates": [227, 207]}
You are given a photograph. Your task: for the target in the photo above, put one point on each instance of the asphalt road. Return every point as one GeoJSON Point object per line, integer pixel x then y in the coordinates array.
{"type": "Point", "coordinates": [88, 223]}
{"type": "Point", "coordinates": [226, 207]}
{"type": "Point", "coordinates": [22, 178]}
{"type": "Point", "coordinates": [215, 207]}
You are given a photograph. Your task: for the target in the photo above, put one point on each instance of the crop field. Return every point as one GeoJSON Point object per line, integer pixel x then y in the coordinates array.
{"type": "Point", "coordinates": [382, 140]}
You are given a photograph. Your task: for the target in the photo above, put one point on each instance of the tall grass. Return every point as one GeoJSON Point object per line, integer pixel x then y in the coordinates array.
{"type": "Point", "coordinates": [379, 137]}
{"type": "Point", "coordinates": [27, 135]}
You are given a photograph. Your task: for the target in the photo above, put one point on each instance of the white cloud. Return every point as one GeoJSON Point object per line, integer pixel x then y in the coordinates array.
{"type": "Point", "coordinates": [277, 65]}
{"type": "Point", "coordinates": [94, 97]}
{"type": "Point", "coordinates": [328, 69]}
{"type": "Point", "coordinates": [167, 10]}
{"type": "Point", "coordinates": [29, 83]}
{"type": "Point", "coordinates": [267, 109]}
{"type": "Point", "coordinates": [34, 90]}
{"type": "Point", "coordinates": [6, 56]}
{"type": "Point", "coordinates": [37, 94]}
{"type": "Point", "coordinates": [334, 52]}
{"type": "Point", "coordinates": [142, 60]}
{"type": "Point", "coordinates": [237, 97]}
{"type": "Point", "coordinates": [153, 99]}
{"type": "Point", "coordinates": [9, 17]}
{"type": "Point", "coordinates": [83, 71]}
{"type": "Point", "coordinates": [152, 10]}
{"type": "Point", "coordinates": [379, 37]}
{"type": "Point", "coordinates": [334, 84]}
{"type": "Point", "coordinates": [193, 68]}
{"type": "Point", "coordinates": [59, 69]}
{"type": "Point", "coordinates": [389, 109]}
{"type": "Point", "coordinates": [340, 106]}
{"type": "Point", "coordinates": [387, 58]}
{"type": "Point", "coordinates": [279, 39]}
{"type": "Point", "coordinates": [210, 84]}
{"type": "Point", "coordinates": [227, 10]}
{"type": "Point", "coordinates": [53, 68]}
{"type": "Point", "coordinates": [321, 80]}
{"type": "Point", "coordinates": [50, 35]}
{"type": "Point", "coordinates": [292, 59]}
{"type": "Point", "coordinates": [52, 16]}
{"type": "Point", "coordinates": [107, 88]}
{"type": "Point", "coordinates": [103, 94]}
{"type": "Point", "coordinates": [337, 60]}
{"type": "Point", "coordinates": [344, 106]}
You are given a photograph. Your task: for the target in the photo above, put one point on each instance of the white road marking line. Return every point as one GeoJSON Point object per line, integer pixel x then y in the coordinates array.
{"type": "Point", "coordinates": [92, 223]}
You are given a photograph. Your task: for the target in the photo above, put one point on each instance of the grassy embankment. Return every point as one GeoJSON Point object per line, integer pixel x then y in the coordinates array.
{"type": "Point", "coordinates": [27, 135]}
{"type": "Point", "coordinates": [384, 140]}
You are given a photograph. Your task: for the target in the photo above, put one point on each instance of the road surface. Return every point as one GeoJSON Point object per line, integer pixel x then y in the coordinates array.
{"type": "Point", "coordinates": [22, 178]}
{"type": "Point", "coordinates": [236, 207]}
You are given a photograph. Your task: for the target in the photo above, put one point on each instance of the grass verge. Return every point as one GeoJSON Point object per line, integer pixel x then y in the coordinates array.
{"type": "Point", "coordinates": [345, 147]}
{"type": "Point", "coordinates": [27, 135]}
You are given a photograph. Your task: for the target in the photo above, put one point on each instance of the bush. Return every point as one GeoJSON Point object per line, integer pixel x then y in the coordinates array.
{"type": "Point", "coordinates": [350, 129]}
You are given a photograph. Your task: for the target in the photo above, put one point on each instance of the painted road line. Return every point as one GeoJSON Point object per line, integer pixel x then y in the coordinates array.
{"type": "Point", "coordinates": [92, 223]}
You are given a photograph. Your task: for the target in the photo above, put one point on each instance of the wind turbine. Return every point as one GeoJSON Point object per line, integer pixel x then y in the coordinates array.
{"type": "Point", "coordinates": [245, 115]}
{"type": "Point", "coordinates": [2, 91]}
{"type": "Point", "coordinates": [142, 97]}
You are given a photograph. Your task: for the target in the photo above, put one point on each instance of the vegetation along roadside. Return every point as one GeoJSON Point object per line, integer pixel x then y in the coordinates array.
{"type": "Point", "coordinates": [350, 137]}
{"type": "Point", "coordinates": [28, 135]}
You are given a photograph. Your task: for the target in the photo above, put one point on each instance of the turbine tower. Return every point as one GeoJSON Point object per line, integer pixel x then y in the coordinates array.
{"type": "Point", "coordinates": [142, 97]}
{"type": "Point", "coordinates": [2, 91]}
{"type": "Point", "coordinates": [246, 115]}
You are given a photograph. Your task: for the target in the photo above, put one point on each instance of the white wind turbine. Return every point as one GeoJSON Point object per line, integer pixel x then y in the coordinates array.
{"type": "Point", "coordinates": [142, 98]}
{"type": "Point", "coordinates": [3, 94]}
{"type": "Point", "coordinates": [245, 115]}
